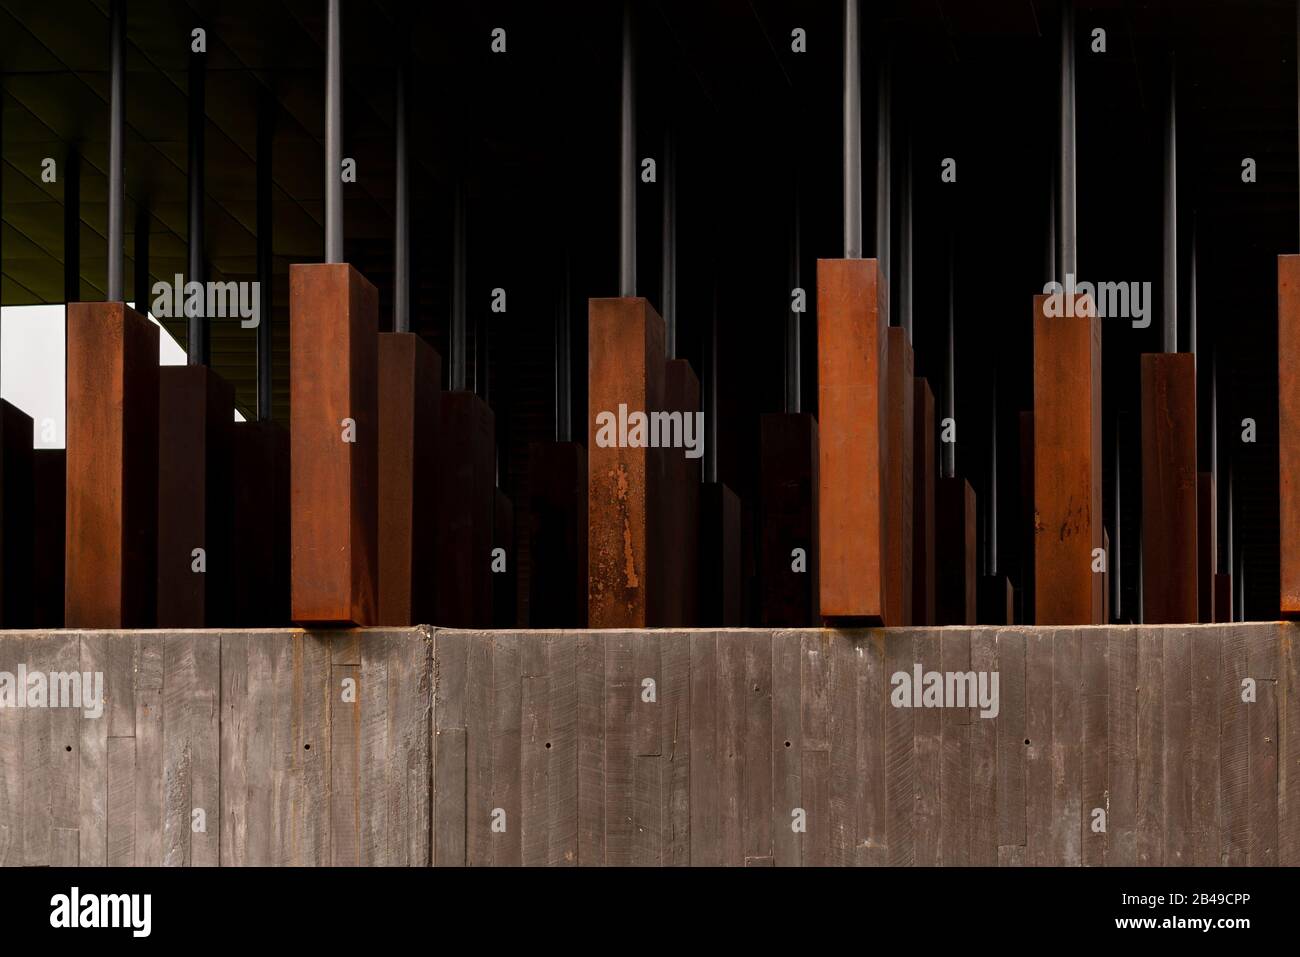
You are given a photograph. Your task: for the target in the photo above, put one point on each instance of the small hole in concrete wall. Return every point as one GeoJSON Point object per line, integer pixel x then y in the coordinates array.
{"type": "Point", "coordinates": [1026, 740]}
{"type": "Point", "coordinates": [307, 747]}
{"type": "Point", "coordinates": [68, 748]}
{"type": "Point", "coordinates": [548, 745]}
{"type": "Point", "coordinates": [787, 744]}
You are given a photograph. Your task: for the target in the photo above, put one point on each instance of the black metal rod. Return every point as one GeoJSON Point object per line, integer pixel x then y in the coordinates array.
{"type": "Point", "coordinates": [668, 279]}
{"type": "Point", "coordinates": [905, 250]}
{"type": "Point", "coordinates": [265, 255]}
{"type": "Point", "coordinates": [627, 160]}
{"type": "Point", "coordinates": [196, 343]}
{"type": "Point", "coordinates": [1067, 238]}
{"type": "Point", "coordinates": [711, 395]}
{"type": "Point", "coordinates": [141, 283]}
{"type": "Point", "coordinates": [993, 480]}
{"type": "Point", "coordinates": [884, 171]}
{"type": "Point", "coordinates": [333, 139]}
{"type": "Point", "coordinates": [852, 133]}
{"type": "Point", "coordinates": [793, 333]}
{"type": "Point", "coordinates": [1170, 329]}
{"type": "Point", "coordinates": [72, 227]}
{"type": "Point", "coordinates": [458, 359]}
{"type": "Point", "coordinates": [948, 450]}
{"type": "Point", "coordinates": [116, 131]}
{"type": "Point", "coordinates": [402, 214]}
{"type": "Point", "coordinates": [564, 356]}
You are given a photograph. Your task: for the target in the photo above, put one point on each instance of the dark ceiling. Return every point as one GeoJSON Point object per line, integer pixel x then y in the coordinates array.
{"type": "Point", "coordinates": [532, 136]}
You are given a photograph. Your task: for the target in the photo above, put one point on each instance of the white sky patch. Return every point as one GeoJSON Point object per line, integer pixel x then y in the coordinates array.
{"type": "Point", "coordinates": [32, 366]}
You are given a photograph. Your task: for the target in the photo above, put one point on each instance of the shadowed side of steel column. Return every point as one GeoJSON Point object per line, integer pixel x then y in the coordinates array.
{"type": "Point", "coordinates": [1288, 388]}
{"type": "Point", "coordinates": [410, 424]}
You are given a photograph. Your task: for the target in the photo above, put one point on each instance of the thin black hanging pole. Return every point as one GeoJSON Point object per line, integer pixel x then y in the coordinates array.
{"type": "Point", "coordinates": [402, 213]}
{"type": "Point", "coordinates": [627, 160]}
{"type": "Point", "coordinates": [852, 134]}
{"type": "Point", "coordinates": [265, 261]}
{"type": "Point", "coordinates": [116, 131]}
{"type": "Point", "coordinates": [196, 342]}
{"type": "Point", "coordinates": [333, 139]}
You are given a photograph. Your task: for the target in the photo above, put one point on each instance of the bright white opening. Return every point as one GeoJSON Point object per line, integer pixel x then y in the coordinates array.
{"type": "Point", "coordinates": [32, 367]}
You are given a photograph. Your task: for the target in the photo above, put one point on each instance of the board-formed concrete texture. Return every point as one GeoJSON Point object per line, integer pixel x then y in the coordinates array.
{"type": "Point", "coordinates": [1117, 746]}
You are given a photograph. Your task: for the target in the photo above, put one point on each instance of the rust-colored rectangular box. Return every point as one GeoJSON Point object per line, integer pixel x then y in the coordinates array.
{"type": "Point", "coordinates": [681, 521]}
{"type": "Point", "coordinates": [49, 479]}
{"type": "Point", "coordinates": [1067, 465]}
{"type": "Point", "coordinates": [788, 519]}
{"type": "Point", "coordinates": [898, 479]}
{"type": "Point", "coordinates": [465, 526]}
{"type": "Point", "coordinates": [558, 579]}
{"type": "Point", "coordinates": [1207, 543]}
{"type": "Point", "coordinates": [1288, 433]}
{"type": "Point", "coordinates": [17, 505]}
{"type": "Point", "coordinates": [261, 524]}
{"type": "Point", "coordinates": [625, 577]}
{"type": "Point", "coordinates": [720, 584]}
{"type": "Point", "coordinates": [852, 304]}
{"type": "Point", "coordinates": [925, 472]}
{"type": "Point", "coordinates": [196, 422]}
{"type": "Point", "coordinates": [956, 590]}
{"type": "Point", "coordinates": [1169, 503]}
{"type": "Point", "coordinates": [334, 444]}
{"type": "Point", "coordinates": [1027, 535]}
{"type": "Point", "coordinates": [111, 543]}
{"type": "Point", "coordinates": [410, 423]}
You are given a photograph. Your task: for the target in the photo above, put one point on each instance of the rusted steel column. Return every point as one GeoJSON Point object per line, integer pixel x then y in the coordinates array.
{"type": "Point", "coordinates": [897, 480]}
{"type": "Point", "coordinates": [505, 589]}
{"type": "Point", "coordinates": [334, 441]}
{"type": "Point", "coordinates": [410, 423]}
{"type": "Point", "coordinates": [1288, 388]}
{"type": "Point", "coordinates": [925, 471]}
{"type": "Point", "coordinates": [788, 499]}
{"type": "Point", "coordinates": [996, 601]}
{"type": "Point", "coordinates": [955, 586]}
{"type": "Point", "coordinates": [1067, 465]}
{"type": "Point", "coordinates": [852, 304]}
{"type": "Point", "coordinates": [465, 529]}
{"type": "Point", "coordinates": [558, 580]}
{"type": "Point", "coordinates": [196, 420]}
{"type": "Point", "coordinates": [17, 499]}
{"type": "Point", "coordinates": [720, 591]}
{"type": "Point", "coordinates": [1169, 550]}
{"type": "Point", "coordinates": [625, 347]}
{"type": "Point", "coordinates": [1027, 535]}
{"type": "Point", "coordinates": [261, 524]}
{"type": "Point", "coordinates": [681, 523]}
{"type": "Point", "coordinates": [49, 480]}
{"type": "Point", "coordinates": [112, 467]}
{"type": "Point", "coordinates": [1206, 546]}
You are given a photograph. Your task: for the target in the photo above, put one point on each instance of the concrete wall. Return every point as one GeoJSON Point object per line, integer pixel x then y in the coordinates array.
{"type": "Point", "coordinates": [549, 748]}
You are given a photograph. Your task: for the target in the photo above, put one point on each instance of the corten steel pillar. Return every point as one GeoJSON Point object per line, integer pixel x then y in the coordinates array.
{"type": "Point", "coordinates": [260, 530]}
{"type": "Point", "coordinates": [1067, 463]}
{"type": "Point", "coordinates": [196, 420]}
{"type": "Point", "coordinates": [1288, 384]}
{"type": "Point", "coordinates": [17, 507]}
{"type": "Point", "coordinates": [897, 480]}
{"type": "Point", "coordinates": [682, 503]}
{"type": "Point", "coordinates": [1027, 534]}
{"type": "Point", "coordinates": [1206, 546]}
{"type": "Point", "coordinates": [720, 590]}
{"type": "Point", "coordinates": [334, 444]}
{"type": "Point", "coordinates": [410, 423]}
{"type": "Point", "coordinates": [557, 504]}
{"type": "Point", "coordinates": [112, 467]}
{"type": "Point", "coordinates": [625, 343]}
{"type": "Point", "coordinates": [788, 482]}
{"type": "Point", "coordinates": [1169, 496]}
{"type": "Point", "coordinates": [49, 476]}
{"type": "Point", "coordinates": [195, 417]}
{"type": "Point", "coordinates": [466, 524]}
{"type": "Point", "coordinates": [924, 471]}
{"type": "Point", "coordinates": [956, 590]}
{"type": "Point", "coordinates": [260, 449]}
